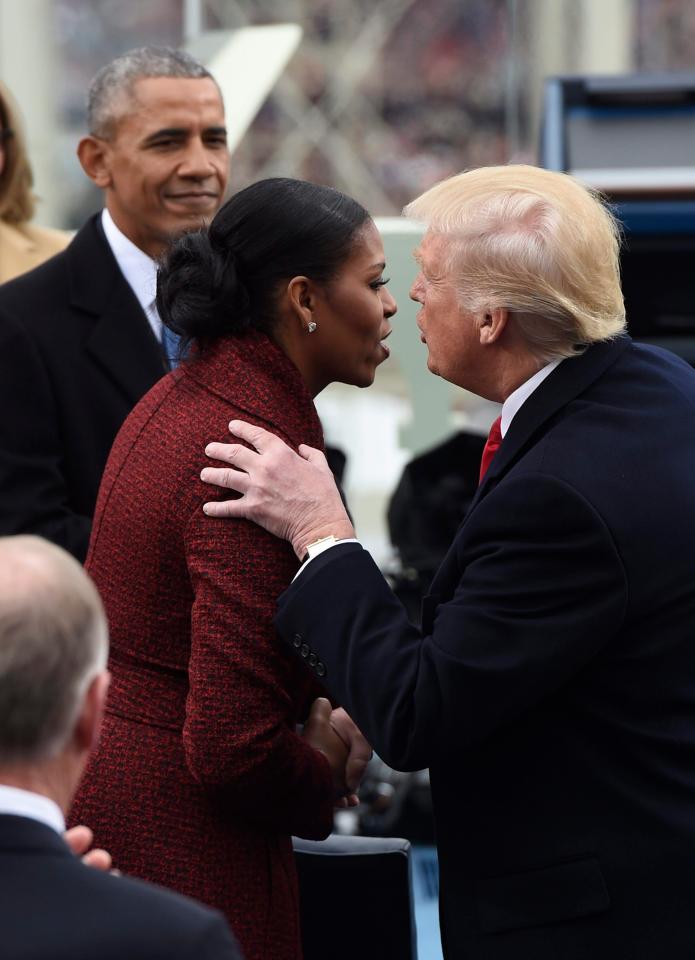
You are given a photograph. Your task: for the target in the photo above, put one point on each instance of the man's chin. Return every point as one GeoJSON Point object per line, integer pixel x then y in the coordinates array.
{"type": "Point", "coordinates": [192, 221]}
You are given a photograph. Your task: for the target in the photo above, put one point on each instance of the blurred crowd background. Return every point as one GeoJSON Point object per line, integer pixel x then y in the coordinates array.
{"type": "Point", "coordinates": [380, 99]}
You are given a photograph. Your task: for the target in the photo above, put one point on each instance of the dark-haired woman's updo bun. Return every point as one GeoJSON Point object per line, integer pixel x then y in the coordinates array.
{"type": "Point", "coordinates": [200, 294]}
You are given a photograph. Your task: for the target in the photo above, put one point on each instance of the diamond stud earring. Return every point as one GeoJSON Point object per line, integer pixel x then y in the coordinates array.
{"type": "Point", "coordinates": [311, 326]}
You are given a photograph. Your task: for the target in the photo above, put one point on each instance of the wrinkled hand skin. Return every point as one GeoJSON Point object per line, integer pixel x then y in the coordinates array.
{"type": "Point", "coordinates": [292, 495]}
{"type": "Point", "coordinates": [80, 839]}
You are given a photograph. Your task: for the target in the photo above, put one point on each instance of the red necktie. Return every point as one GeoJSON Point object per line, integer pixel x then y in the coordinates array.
{"type": "Point", "coordinates": [494, 442]}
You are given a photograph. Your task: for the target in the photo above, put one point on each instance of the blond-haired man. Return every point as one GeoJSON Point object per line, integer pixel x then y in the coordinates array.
{"type": "Point", "coordinates": [551, 689]}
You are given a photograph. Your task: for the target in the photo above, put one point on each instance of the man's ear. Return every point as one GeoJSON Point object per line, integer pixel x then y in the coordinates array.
{"type": "Point", "coordinates": [493, 324]}
{"type": "Point", "coordinates": [88, 722]}
{"type": "Point", "coordinates": [93, 154]}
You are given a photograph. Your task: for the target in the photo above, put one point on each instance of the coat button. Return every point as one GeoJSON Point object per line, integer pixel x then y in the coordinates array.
{"type": "Point", "coordinates": [296, 641]}
{"type": "Point", "coordinates": [313, 659]}
{"type": "Point", "coordinates": [304, 651]}
{"type": "Point", "coordinates": [320, 669]}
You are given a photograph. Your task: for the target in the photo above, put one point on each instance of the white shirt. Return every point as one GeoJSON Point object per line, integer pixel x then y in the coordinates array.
{"type": "Point", "coordinates": [510, 408]}
{"type": "Point", "coordinates": [518, 398]}
{"type": "Point", "coordinates": [24, 803]}
{"type": "Point", "coordinates": [139, 270]}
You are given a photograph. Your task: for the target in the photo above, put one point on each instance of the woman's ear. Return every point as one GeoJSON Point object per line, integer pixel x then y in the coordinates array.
{"type": "Point", "coordinates": [301, 295]}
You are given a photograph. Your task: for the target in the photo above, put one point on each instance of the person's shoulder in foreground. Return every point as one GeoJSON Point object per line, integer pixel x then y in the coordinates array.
{"type": "Point", "coordinates": [52, 905]}
{"type": "Point", "coordinates": [53, 686]}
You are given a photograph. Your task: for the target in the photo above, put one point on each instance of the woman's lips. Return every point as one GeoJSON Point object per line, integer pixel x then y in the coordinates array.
{"type": "Point", "coordinates": [384, 347]}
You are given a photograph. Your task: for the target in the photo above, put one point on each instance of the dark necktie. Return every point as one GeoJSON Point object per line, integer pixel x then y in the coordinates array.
{"type": "Point", "coordinates": [494, 442]}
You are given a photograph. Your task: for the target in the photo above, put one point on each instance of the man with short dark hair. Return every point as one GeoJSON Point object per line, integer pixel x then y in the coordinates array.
{"type": "Point", "coordinates": [80, 338]}
{"type": "Point", "coordinates": [551, 688]}
{"type": "Point", "coordinates": [53, 684]}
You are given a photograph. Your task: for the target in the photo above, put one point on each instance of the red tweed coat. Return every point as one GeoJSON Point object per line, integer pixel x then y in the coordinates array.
{"type": "Point", "coordinates": [200, 778]}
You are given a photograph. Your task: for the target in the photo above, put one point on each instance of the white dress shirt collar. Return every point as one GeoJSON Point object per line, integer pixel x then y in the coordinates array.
{"type": "Point", "coordinates": [24, 803]}
{"type": "Point", "coordinates": [515, 400]}
{"type": "Point", "coordinates": [139, 270]}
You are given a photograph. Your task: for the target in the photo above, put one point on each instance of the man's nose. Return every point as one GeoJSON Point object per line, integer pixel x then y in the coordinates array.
{"type": "Point", "coordinates": [415, 292]}
{"type": "Point", "coordinates": [197, 161]}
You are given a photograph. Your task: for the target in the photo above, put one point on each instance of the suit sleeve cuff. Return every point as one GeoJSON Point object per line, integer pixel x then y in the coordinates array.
{"type": "Point", "coordinates": [323, 549]}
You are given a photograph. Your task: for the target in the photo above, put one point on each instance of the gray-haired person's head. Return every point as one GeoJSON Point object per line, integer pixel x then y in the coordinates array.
{"type": "Point", "coordinates": [111, 90]}
{"type": "Point", "coordinates": [53, 643]}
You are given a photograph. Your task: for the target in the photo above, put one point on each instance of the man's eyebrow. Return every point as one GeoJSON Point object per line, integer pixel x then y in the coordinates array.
{"type": "Point", "coordinates": [183, 132]}
{"type": "Point", "coordinates": [167, 132]}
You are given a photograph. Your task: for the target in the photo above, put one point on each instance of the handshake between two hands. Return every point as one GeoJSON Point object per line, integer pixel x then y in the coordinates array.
{"type": "Point", "coordinates": [332, 732]}
{"type": "Point", "coordinates": [337, 737]}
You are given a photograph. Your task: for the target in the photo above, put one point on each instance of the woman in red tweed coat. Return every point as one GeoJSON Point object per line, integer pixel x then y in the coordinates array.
{"type": "Point", "coordinates": [200, 777]}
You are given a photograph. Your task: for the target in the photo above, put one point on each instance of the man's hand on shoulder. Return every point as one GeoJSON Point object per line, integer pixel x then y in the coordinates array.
{"type": "Point", "coordinates": [292, 495]}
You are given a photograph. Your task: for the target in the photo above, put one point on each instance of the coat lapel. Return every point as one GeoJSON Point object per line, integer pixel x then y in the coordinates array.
{"type": "Point", "coordinates": [124, 346]}
{"type": "Point", "coordinates": [565, 383]}
{"type": "Point", "coordinates": [121, 342]}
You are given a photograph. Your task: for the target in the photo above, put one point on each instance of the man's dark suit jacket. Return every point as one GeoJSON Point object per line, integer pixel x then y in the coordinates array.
{"type": "Point", "coordinates": [552, 688]}
{"type": "Point", "coordinates": [76, 354]}
{"type": "Point", "coordinates": [52, 906]}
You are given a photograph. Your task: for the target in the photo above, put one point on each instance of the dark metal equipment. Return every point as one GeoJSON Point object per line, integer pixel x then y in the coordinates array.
{"type": "Point", "coordinates": [633, 138]}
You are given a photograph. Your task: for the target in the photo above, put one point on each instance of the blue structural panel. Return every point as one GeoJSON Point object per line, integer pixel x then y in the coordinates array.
{"type": "Point", "coordinates": [656, 217]}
